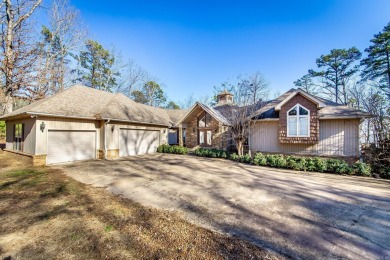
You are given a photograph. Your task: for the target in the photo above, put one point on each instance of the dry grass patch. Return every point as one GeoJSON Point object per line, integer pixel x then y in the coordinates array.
{"type": "Point", "coordinates": [11, 161]}
{"type": "Point", "coordinates": [47, 215]}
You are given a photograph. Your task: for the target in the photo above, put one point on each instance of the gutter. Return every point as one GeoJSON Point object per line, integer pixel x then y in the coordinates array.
{"type": "Point", "coordinates": [134, 122]}
{"type": "Point", "coordinates": [265, 119]}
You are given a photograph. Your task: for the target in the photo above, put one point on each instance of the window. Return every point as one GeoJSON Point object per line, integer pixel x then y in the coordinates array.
{"type": "Point", "coordinates": [201, 137]}
{"type": "Point", "coordinates": [204, 120]}
{"type": "Point", "coordinates": [18, 137]}
{"type": "Point", "coordinates": [298, 122]}
{"type": "Point", "coordinates": [208, 137]}
{"type": "Point", "coordinates": [205, 137]}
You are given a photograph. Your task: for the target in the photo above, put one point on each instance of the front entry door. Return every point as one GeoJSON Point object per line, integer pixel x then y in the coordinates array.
{"type": "Point", "coordinates": [205, 137]}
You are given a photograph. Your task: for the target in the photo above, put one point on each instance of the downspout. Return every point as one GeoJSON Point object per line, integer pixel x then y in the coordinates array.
{"type": "Point", "coordinates": [249, 139]}
{"type": "Point", "coordinates": [105, 138]}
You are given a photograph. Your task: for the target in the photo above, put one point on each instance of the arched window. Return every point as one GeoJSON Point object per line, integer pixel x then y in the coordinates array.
{"type": "Point", "coordinates": [298, 122]}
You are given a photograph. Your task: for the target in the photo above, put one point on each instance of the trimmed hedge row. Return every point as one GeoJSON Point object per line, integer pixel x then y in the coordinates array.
{"type": "Point", "coordinates": [312, 164]}
{"type": "Point", "coordinates": [212, 153]}
{"type": "Point", "coordinates": [165, 148]}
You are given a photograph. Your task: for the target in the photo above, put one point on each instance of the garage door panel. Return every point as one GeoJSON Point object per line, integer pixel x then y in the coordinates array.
{"type": "Point", "coordinates": [137, 142]}
{"type": "Point", "coordinates": [68, 146]}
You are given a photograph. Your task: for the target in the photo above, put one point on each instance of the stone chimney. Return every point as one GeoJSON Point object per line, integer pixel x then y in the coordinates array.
{"type": "Point", "coordinates": [224, 98]}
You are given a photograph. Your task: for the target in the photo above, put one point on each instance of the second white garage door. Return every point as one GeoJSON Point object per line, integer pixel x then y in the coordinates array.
{"type": "Point", "coordinates": [69, 146]}
{"type": "Point", "coordinates": [137, 142]}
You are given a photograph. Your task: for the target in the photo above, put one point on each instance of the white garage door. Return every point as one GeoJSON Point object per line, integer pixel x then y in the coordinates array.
{"type": "Point", "coordinates": [137, 142]}
{"type": "Point", "coordinates": [69, 146]}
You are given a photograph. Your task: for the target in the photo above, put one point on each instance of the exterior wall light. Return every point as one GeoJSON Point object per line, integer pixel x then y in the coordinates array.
{"type": "Point", "coordinates": [43, 126]}
{"type": "Point", "coordinates": [112, 128]}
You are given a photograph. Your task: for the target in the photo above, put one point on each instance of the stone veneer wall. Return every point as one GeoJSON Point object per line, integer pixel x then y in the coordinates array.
{"type": "Point", "coordinates": [219, 134]}
{"type": "Point", "coordinates": [314, 121]}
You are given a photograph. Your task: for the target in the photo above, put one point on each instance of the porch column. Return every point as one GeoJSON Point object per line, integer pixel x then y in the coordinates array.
{"type": "Point", "coordinates": [180, 135]}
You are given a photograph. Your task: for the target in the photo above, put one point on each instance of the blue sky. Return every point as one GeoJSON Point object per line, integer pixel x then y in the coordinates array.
{"type": "Point", "coordinates": [191, 46]}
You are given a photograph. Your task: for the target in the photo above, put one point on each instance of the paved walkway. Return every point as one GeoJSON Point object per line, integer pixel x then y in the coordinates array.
{"type": "Point", "coordinates": [301, 215]}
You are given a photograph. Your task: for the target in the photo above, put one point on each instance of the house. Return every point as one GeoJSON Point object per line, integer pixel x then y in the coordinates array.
{"type": "Point", "coordinates": [299, 123]}
{"type": "Point", "coordinates": [207, 126]}
{"type": "Point", "coordinates": [294, 123]}
{"type": "Point", "coordinates": [82, 123]}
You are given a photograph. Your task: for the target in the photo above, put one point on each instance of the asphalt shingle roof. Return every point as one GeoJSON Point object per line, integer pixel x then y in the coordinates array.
{"type": "Point", "coordinates": [84, 102]}
{"type": "Point", "coordinates": [331, 109]}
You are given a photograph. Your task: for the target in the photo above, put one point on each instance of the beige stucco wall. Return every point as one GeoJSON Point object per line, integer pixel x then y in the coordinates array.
{"type": "Point", "coordinates": [54, 123]}
{"type": "Point", "coordinates": [336, 138]}
{"type": "Point", "coordinates": [29, 134]}
{"type": "Point", "coordinates": [112, 137]}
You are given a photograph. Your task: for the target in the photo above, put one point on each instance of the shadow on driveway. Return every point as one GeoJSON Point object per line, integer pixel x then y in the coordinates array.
{"type": "Point", "coordinates": [300, 215]}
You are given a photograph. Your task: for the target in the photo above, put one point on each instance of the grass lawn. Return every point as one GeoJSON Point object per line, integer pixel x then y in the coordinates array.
{"type": "Point", "coordinates": [46, 215]}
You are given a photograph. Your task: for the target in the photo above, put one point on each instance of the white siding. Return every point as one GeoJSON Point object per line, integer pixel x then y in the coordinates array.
{"type": "Point", "coordinates": [337, 138]}
{"type": "Point", "coordinates": [29, 134]}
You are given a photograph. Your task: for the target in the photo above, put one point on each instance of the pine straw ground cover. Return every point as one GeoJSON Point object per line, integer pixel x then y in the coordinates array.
{"type": "Point", "coordinates": [46, 215]}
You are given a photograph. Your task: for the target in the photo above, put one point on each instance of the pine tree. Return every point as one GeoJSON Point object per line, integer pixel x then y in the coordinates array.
{"type": "Point", "coordinates": [338, 69]}
{"type": "Point", "coordinates": [97, 67]}
{"type": "Point", "coordinates": [377, 65]}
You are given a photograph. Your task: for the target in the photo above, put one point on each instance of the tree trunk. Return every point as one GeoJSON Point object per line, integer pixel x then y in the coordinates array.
{"type": "Point", "coordinates": [240, 148]}
{"type": "Point", "coordinates": [388, 72]}
{"type": "Point", "coordinates": [9, 64]}
{"type": "Point", "coordinates": [8, 103]}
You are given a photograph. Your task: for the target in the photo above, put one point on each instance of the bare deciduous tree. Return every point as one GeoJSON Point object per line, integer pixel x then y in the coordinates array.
{"type": "Point", "coordinates": [64, 35]}
{"type": "Point", "coordinates": [188, 102]}
{"type": "Point", "coordinates": [17, 53]}
{"type": "Point", "coordinates": [133, 77]}
{"type": "Point", "coordinates": [257, 86]}
{"type": "Point", "coordinates": [249, 94]}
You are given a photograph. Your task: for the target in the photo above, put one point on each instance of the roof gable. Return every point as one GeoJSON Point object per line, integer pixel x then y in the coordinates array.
{"type": "Point", "coordinates": [329, 109]}
{"type": "Point", "coordinates": [211, 111]}
{"type": "Point", "coordinates": [312, 98]}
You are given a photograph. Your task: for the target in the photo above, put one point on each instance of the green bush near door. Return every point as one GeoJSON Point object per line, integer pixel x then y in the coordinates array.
{"type": "Point", "coordinates": [165, 148]}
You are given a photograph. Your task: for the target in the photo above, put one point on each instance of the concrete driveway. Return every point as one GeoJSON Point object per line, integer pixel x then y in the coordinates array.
{"type": "Point", "coordinates": [301, 215]}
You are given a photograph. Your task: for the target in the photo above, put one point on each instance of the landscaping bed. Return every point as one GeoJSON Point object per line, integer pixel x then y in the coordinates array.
{"type": "Point", "coordinates": [46, 215]}
{"type": "Point", "coordinates": [298, 163]}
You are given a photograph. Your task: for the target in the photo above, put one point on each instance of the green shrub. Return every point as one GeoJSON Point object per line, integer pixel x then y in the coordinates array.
{"type": "Point", "coordinates": [320, 164]}
{"type": "Point", "coordinates": [234, 157]}
{"type": "Point", "coordinates": [313, 164]}
{"type": "Point", "coordinates": [245, 158]}
{"type": "Point", "coordinates": [276, 160]}
{"type": "Point", "coordinates": [384, 171]}
{"type": "Point", "coordinates": [213, 153]}
{"type": "Point", "coordinates": [310, 164]}
{"type": "Point", "coordinates": [291, 163]}
{"type": "Point", "coordinates": [260, 159]}
{"type": "Point", "coordinates": [337, 166]}
{"type": "Point", "coordinates": [2, 129]}
{"type": "Point", "coordinates": [271, 160]}
{"type": "Point", "coordinates": [165, 148]}
{"type": "Point", "coordinates": [361, 169]}
{"type": "Point", "coordinates": [281, 162]}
